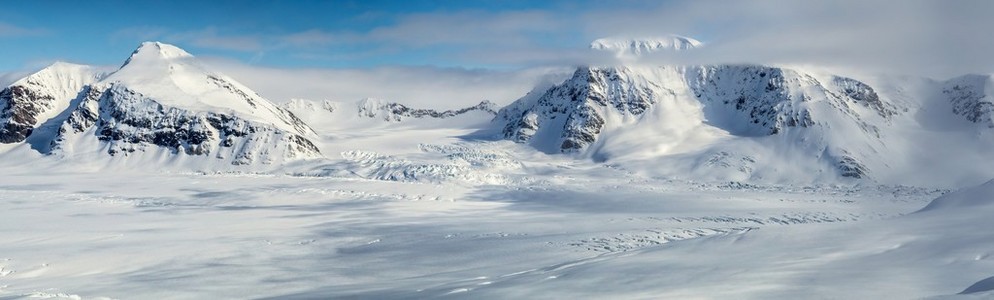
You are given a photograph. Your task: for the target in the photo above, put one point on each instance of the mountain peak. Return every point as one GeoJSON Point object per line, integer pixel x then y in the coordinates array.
{"type": "Point", "coordinates": [157, 51]}
{"type": "Point", "coordinates": [174, 78]}
{"type": "Point", "coordinates": [635, 46]}
{"type": "Point", "coordinates": [65, 65]}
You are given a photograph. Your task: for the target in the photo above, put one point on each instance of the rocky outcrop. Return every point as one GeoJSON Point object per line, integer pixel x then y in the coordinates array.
{"type": "Point", "coordinates": [852, 168]}
{"type": "Point", "coordinates": [30, 101]}
{"type": "Point", "coordinates": [863, 94]}
{"type": "Point", "coordinates": [20, 111]}
{"type": "Point", "coordinates": [968, 97]}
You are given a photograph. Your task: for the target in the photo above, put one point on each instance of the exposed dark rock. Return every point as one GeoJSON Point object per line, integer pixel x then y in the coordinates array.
{"type": "Point", "coordinates": [968, 98]}
{"type": "Point", "coordinates": [864, 95]}
{"type": "Point", "coordinates": [581, 129]}
{"type": "Point", "coordinates": [577, 101]}
{"type": "Point", "coordinates": [762, 96]}
{"type": "Point", "coordinates": [850, 167]}
{"type": "Point", "coordinates": [19, 110]}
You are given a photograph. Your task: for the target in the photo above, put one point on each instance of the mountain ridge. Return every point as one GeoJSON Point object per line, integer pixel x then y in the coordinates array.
{"type": "Point", "coordinates": [731, 122]}
{"type": "Point", "coordinates": [707, 122]}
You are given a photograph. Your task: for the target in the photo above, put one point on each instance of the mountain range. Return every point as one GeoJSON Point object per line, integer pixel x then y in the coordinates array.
{"type": "Point", "coordinates": [707, 122]}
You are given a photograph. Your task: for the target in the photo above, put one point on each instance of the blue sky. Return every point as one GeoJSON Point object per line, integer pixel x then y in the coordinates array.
{"type": "Point", "coordinates": [915, 36]}
{"type": "Point", "coordinates": [281, 33]}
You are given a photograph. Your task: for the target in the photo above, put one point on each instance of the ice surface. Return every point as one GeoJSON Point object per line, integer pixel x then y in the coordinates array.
{"type": "Point", "coordinates": [259, 236]}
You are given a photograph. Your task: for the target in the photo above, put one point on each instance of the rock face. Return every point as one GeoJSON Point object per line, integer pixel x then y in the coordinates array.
{"type": "Point", "coordinates": [768, 100]}
{"type": "Point", "coordinates": [164, 101]}
{"type": "Point", "coordinates": [742, 100]}
{"type": "Point", "coordinates": [27, 103]}
{"type": "Point", "coordinates": [969, 98]}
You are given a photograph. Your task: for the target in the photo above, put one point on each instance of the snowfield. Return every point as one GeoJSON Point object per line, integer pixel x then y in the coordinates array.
{"type": "Point", "coordinates": [453, 227]}
{"type": "Point", "coordinates": [167, 180]}
{"type": "Point", "coordinates": [587, 232]}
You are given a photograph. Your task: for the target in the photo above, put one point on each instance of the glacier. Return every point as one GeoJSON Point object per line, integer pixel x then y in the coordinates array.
{"type": "Point", "coordinates": [164, 178]}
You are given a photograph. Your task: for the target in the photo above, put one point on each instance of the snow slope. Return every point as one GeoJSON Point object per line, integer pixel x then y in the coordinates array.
{"type": "Point", "coordinates": [937, 253]}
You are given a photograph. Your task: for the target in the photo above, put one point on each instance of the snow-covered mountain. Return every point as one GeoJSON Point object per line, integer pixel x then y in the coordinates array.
{"type": "Point", "coordinates": [160, 103]}
{"type": "Point", "coordinates": [720, 122]}
{"type": "Point", "coordinates": [733, 122]}
{"type": "Point", "coordinates": [627, 47]}
{"type": "Point", "coordinates": [28, 102]}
